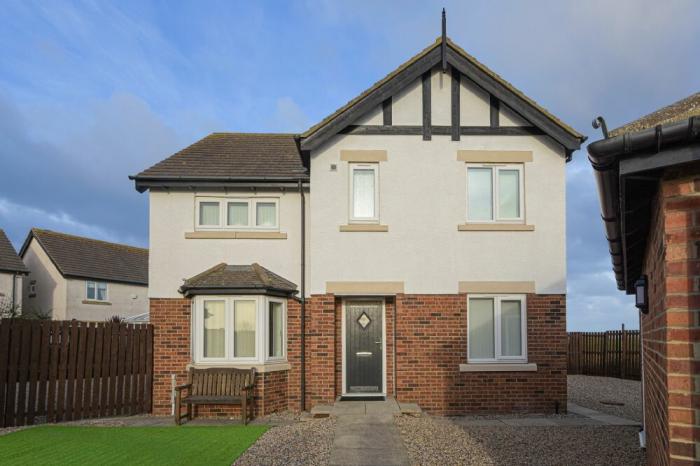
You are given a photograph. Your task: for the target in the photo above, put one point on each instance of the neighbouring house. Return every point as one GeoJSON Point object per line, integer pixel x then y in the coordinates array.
{"type": "Point", "coordinates": [411, 245]}
{"type": "Point", "coordinates": [12, 273]}
{"type": "Point", "coordinates": [72, 277]}
{"type": "Point", "coordinates": [648, 174]}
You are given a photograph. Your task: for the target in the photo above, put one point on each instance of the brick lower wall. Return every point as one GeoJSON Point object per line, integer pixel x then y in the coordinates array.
{"type": "Point", "coordinates": [431, 342]}
{"type": "Point", "coordinates": [671, 329]}
{"type": "Point", "coordinates": [172, 354]}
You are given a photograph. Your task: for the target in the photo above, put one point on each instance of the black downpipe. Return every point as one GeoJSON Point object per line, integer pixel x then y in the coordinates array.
{"type": "Point", "coordinates": [303, 296]}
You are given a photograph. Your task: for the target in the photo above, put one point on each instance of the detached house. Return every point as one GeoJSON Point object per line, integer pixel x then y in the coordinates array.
{"type": "Point", "coordinates": [12, 273]}
{"type": "Point", "coordinates": [411, 245]}
{"type": "Point", "coordinates": [72, 277]}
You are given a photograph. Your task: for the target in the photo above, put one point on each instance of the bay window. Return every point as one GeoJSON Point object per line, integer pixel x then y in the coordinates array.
{"type": "Point", "coordinates": [494, 193]}
{"type": "Point", "coordinates": [243, 329]}
{"type": "Point", "coordinates": [364, 192]}
{"type": "Point", "coordinates": [237, 213]}
{"type": "Point", "coordinates": [497, 328]}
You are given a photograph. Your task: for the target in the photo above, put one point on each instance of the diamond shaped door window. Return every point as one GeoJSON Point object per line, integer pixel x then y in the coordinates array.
{"type": "Point", "coordinates": [364, 321]}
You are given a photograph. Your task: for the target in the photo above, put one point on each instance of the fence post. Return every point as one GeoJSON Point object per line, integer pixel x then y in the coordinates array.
{"type": "Point", "coordinates": [623, 357]}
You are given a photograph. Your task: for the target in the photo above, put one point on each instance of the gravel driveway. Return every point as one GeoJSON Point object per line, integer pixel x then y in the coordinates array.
{"type": "Point", "coordinates": [588, 391]}
{"type": "Point", "coordinates": [433, 441]}
{"type": "Point", "coordinates": [305, 442]}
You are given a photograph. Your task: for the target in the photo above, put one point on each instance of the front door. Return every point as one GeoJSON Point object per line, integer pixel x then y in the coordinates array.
{"type": "Point", "coordinates": [363, 347]}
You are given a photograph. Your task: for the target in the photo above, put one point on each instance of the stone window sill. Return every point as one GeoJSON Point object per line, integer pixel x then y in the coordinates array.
{"type": "Point", "coordinates": [368, 227]}
{"type": "Point", "coordinates": [498, 367]}
{"type": "Point", "coordinates": [260, 368]}
{"type": "Point", "coordinates": [235, 235]}
{"type": "Point", "coordinates": [495, 227]}
{"type": "Point", "coordinates": [92, 301]}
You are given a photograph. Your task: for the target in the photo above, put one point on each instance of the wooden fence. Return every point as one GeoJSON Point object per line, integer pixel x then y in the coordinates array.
{"type": "Point", "coordinates": [52, 371]}
{"type": "Point", "coordinates": [615, 353]}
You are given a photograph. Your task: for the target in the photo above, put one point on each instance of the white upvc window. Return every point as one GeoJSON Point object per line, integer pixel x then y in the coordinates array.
{"type": "Point", "coordinates": [234, 213]}
{"type": "Point", "coordinates": [497, 328]}
{"type": "Point", "coordinates": [495, 193]}
{"type": "Point", "coordinates": [95, 291]}
{"type": "Point", "coordinates": [239, 329]}
{"type": "Point", "coordinates": [364, 192]}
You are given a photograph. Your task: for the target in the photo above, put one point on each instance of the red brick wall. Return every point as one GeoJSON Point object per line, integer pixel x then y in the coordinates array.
{"type": "Point", "coordinates": [171, 355]}
{"type": "Point", "coordinates": [432, 342]}
{"type": "Point", "coordinates": [671, 330]}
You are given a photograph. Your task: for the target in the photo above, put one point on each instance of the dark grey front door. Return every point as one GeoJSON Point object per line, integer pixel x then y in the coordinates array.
{"type": "Point", "coordinates": [363, 347]}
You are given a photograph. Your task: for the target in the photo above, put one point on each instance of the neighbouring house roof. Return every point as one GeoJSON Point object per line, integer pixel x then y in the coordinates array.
{"type": "Point", "coordinates": [238, 279]}
{"type": "Point", "coordinates": [78, 257]}
{"type": "Point", "coordinates": [513, 97]}
{"type": "Point", "coordinates": [678, 111]}
{"type": "Point", "coordinates": [230, 157]}
{"type": "Point", "coordinates": [9, 260]}
{"type": "Point", "coordinates": [628, 165]}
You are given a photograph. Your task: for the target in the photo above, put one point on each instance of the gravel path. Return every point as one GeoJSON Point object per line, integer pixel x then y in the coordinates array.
{"type": "Point", "coordinates": [436, 441]}
{"type": "Point", "coordinates": [300, 443]}
{"type": "Point", "coordinates": [588, 391]}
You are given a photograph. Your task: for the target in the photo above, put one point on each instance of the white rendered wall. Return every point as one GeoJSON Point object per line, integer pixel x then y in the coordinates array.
{"type": "Point", "coordinates": [50, 285]}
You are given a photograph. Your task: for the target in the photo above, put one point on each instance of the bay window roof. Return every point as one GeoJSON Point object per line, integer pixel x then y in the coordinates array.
{"type": "Point", "coordinates": [238, 279]}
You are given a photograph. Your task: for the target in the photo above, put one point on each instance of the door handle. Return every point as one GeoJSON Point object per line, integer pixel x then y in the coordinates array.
{"type": "Point", "coordinates": [378, 342]}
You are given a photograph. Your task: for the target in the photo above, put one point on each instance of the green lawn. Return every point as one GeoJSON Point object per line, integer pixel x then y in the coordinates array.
{"type": "Point", "coordinates": [208, 445]}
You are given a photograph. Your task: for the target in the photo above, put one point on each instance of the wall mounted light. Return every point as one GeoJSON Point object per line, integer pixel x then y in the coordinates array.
{"type": "Point", "coordinates": [641, 294]}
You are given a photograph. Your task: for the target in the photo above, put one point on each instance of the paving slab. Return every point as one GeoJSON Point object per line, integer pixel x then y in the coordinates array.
{"type": "Point", "coordinates": [577, 409]}
{"type": "Point", "coordinates": [411, 409]}
{"type": "Point", "coordinates": [528, 422]}
{"type": "Point", "coordinates": [478, 422]}
{"type": "Point", "coordinates": [321, 410]}
{"type": "Point", "coordinates": [365, 434]}
{"type": "Point", "coordinates": [613, 420]}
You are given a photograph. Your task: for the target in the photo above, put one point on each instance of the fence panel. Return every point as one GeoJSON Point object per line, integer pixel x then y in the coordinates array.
{"type": "Point", "coordinates": [70, 370]}
{"type": "Point", "coordinates": [615, 353]}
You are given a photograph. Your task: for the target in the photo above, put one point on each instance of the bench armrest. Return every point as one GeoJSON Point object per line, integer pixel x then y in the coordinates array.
{"type": "Point", "coordinates": [183, 387]}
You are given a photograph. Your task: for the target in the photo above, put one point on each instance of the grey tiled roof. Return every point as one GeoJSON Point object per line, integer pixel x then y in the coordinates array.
{"type": "Point", "coordinates": [678, 111]}
{"type": "Point", "coordinates": [75, 256]}
{"type": "Point", "coordinates": [238, 277]}
{"type": "Point", "coordinates": [230, 156]}
{"type": "Point", "coordinates": [9, 260]}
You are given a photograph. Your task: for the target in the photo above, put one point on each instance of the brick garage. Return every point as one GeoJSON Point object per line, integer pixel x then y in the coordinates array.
{"type": "Point", "coordinates": [648, 175]}
{"type": "Point", "coordinates": [671, 329]}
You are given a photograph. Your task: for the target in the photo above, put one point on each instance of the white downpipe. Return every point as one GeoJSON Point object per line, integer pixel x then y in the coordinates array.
{"type": "Point", "coordinates": [173, 382]}
{"type": "Point", "coordinates": [643, 432]}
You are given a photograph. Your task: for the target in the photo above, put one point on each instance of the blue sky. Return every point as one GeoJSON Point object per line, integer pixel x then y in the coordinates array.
{"type": "Point", "coordinates": [92, 91]}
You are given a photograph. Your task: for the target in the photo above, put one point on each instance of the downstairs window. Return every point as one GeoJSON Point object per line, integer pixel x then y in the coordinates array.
{"type": "Point", "coordinates": [497, 329]}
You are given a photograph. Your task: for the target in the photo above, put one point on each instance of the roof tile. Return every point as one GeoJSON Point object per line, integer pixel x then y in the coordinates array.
{"type": "Point", "coordinates": [9, 260]}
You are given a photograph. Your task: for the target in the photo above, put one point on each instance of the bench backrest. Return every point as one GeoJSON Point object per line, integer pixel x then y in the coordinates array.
{"type": "Point", "coordinates": [220, 381]}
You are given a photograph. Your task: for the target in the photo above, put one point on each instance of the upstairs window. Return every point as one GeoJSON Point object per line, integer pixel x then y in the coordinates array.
{"type": "Point", "coordinates": [237, 214]}
{"type": "Point", "coordinates": [95, 291]}
{"type": "Point", "coordinates": [494, 193]}
{"type": "Point", "coordinates": [364, 192]}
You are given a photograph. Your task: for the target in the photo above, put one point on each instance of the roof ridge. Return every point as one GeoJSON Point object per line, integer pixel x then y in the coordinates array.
{"type": "Point", "coordinates": [248, 133]}
{"type": "Point", "coordinates": [261, 272]}
{"type": "Point", "coordinates": [85, 238]}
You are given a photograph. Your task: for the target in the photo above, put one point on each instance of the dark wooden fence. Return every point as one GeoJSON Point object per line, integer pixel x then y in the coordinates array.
{"type": "Point", "coordinates": [615, 353]}
{"type": "Point", "coordinates": [52, 371]}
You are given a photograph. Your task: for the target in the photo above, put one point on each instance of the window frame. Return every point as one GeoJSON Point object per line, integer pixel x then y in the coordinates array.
{"type": "Point", "coordinates": [498, 358]}
{"type": "Point", "coordinates": [96, 282]}
{"type": "Point", "coordinates": [351, 207]}
{"type": "Point", "coordinates": [223, 213]}
{"type": "Point", "coordinates": [261, 330]}
{"type": "Point", "coordinates": [495, 169]}
{"type": "Point", "coordinates": [268, 357]}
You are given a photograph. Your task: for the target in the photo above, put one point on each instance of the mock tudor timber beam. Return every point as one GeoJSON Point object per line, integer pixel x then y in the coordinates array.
{"type": "Point", "coordinates": [427, 106]}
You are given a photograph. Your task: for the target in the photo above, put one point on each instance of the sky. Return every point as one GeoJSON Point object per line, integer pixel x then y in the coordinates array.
{"type": "Point", "coordinates": [94, 91]}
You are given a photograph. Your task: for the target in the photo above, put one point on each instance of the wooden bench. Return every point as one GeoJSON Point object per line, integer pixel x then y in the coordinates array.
{"type": "Point", "coordinates": [225, 386]}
